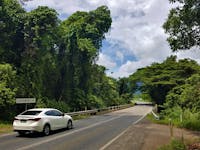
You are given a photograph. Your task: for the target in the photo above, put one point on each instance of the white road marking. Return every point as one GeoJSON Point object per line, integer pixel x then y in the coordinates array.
{"type": "Point", "coordinates": [114, 139]}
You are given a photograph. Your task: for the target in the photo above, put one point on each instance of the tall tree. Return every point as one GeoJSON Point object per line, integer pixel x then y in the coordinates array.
{"type": "Point", "coordinates": [183, 25]}
{"type": "Point", "coordinates": [38, 57]}
{"type": "Point", "coordinates": [82, 34]}
{"type": "Point", "coordinates": [7, 90]}
{"type": "Point", "coordinates": [11, 35]}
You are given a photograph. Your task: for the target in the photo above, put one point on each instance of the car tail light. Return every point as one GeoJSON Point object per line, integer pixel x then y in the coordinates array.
{"type": "Point", "coordinates": [35, 119]}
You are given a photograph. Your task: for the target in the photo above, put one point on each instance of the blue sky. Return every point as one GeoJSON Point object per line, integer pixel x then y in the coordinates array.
{"type": "Point", "coordinates": [136, 38]}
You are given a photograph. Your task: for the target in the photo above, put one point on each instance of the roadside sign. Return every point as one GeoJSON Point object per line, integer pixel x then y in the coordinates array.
{"type": "Point", "coordinates": [25, 100]}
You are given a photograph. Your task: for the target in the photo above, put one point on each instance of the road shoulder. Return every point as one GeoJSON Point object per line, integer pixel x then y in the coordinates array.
{"type": "Point", "coordinates": [149, 136]}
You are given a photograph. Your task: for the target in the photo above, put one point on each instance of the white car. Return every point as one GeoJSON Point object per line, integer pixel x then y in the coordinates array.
{"type": "Point", "coordinates": [42, 120]}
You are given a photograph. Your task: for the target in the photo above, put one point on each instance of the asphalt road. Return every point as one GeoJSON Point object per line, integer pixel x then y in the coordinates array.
{"type": "Point", "coordinates": [96, 132]}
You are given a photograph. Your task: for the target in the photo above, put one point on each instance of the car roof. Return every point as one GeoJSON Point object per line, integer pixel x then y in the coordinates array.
{"type": "Point", "coordinates": [41, 109]}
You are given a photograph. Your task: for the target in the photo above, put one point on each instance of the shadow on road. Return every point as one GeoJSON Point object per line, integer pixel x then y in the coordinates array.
{"type": "Point", "coordinates": [37, 134]}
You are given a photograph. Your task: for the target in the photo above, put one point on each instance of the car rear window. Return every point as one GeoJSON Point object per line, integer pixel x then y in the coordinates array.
{"type": "Point", "coordinates": [31, 113]}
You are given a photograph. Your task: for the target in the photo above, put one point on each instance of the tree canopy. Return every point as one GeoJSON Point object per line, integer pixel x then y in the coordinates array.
{"type": "Point", "coordinates": [159, 78]}
{"type": "Point", "coordinates": [183, 25]}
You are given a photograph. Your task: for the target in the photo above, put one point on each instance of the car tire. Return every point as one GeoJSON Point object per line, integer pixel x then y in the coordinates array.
{"type": "Point", "coordinates": [69, 124]}
{"type": "Point", "coordinates": [46, 130]}
{"type": "Point", "coordinates": [21, 133]}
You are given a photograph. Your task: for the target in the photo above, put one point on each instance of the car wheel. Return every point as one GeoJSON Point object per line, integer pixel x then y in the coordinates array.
{"type": "Point", "coordinates": [21, 133]}
{"type": "Point", "coordinates": [69, 124]}
{"type": "Point", "coordinates": [46, 130]}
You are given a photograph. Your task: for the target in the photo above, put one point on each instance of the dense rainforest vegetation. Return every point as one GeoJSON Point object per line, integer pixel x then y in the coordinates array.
{"type": "Point", "coordinates": [53, 60]}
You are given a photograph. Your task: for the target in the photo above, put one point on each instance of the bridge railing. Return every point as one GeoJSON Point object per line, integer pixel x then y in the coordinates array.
{"type": "Point", "coordinates": [154, 111]}
{"type": "Point", "coordinates": [100, 110]}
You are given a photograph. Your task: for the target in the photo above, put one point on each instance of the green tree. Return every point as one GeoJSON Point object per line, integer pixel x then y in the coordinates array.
{"type": "Point", "coordinates": [38, 58]}
{"type": "Point", "coordinates": [190, 97]}
{"type": "Point", "coordinates": [186, 95]}
{"type": "Point", "coordinates": [183, 25]}
{"type": "Point", "coordinates": [158, 79]}
{"type": "Point", "coordinates": [11, 35]}
{"type": "Point", "coordinates": [123, 84]}
{"type": "Point", "coordinates": [82, 34]}
{"type": "Point", "coordinates": [7, 90]}
{"type": "Point", "coordinates": [109, 92]}
{"type": "Point", "coordinates": [183, 100]}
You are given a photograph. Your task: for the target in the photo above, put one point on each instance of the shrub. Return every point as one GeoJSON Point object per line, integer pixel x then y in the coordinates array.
{"type": "Point", "coordinates": [172, 114]}
{"type": "Point", "coordinates": [7, 91]}
{"type": "Point", "coordinates": [95, 102]}
{"type": "Point", "coordinates": [191, 120]}
{"type": "Point", "coordinates": [45, 103]}
{"type": "Point", "coordinates": [175, 144]}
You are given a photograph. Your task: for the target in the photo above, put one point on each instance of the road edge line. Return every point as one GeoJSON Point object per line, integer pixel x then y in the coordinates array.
{"type": "Point", "coordinates": [114, 139]}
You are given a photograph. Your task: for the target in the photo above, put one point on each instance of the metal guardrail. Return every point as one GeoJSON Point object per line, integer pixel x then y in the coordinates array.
{"type": "Point", "coordinates": [155, 116]}
{"type": "Point", "coordinates": [95, 111]}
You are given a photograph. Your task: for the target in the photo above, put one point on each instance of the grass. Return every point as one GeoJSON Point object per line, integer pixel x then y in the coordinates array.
{"type": "Point", "coordinates": [190, 123]}
{"type": "Point", "coordinates": [175, 144]}
{"type": "Point", "coordinates": [152, 119]}
{"type": "Point", "coordinates": [78, 117]}
{"type": "Point", "coordinates": [178, 144]}
{"type": "Point", "coordinates": [5, 127]}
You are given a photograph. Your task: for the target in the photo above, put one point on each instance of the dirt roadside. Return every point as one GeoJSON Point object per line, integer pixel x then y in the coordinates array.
{"type": "Point", "coordinates": [149, 136]}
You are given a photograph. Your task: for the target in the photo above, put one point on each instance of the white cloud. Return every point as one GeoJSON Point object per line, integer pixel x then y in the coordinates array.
{"type": "Point", "coordinates": [62, 6]}
{"type": "Point", "coordinates": [106, 61]}
{"type": "Point", "coordinates": [131, 66]}
{"type": "Point", "coordinates": [142, 36]}
{"type": "Point", "coordinates": [192, 54]}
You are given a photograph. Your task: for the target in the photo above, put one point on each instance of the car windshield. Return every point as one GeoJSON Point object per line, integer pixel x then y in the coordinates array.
{"type": "Point", "coordinates": [31, 113]}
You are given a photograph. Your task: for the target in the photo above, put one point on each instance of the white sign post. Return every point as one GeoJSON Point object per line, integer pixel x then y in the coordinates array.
{"type": "Point", "coordinates": [25, 101]}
